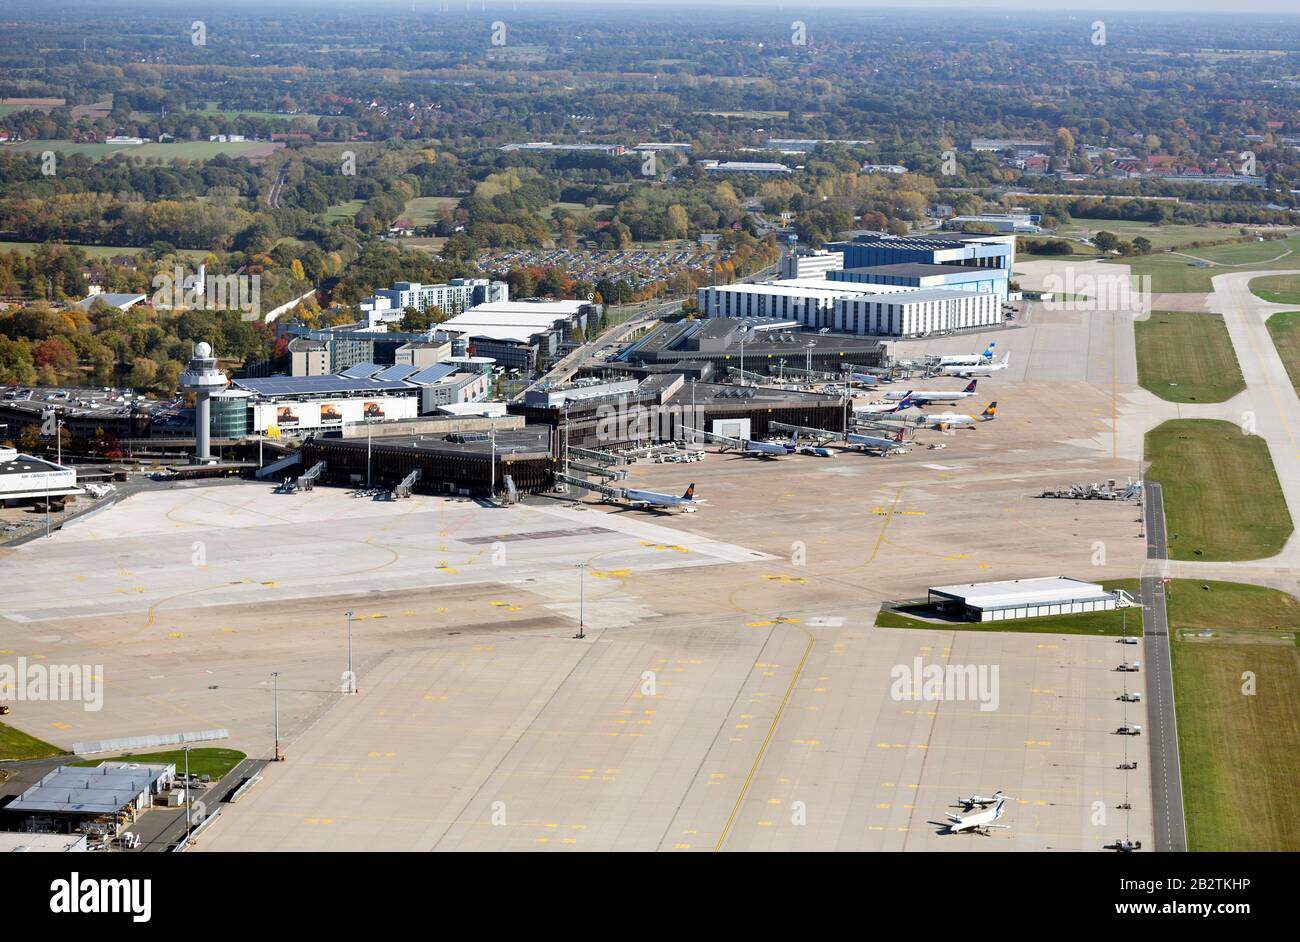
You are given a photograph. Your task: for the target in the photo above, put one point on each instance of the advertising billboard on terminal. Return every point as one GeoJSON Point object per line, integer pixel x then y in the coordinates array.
{"type": "Point", "coordinates": [333, 413]}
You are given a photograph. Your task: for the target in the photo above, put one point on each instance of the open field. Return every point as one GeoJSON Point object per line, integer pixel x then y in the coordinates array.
{"type": "Point", "coordinates": [1284, 328]}
{"type": "Point", "coordinates": [1277, 289]}
{"type": "Point", "coordinates": [346, 210]}
{"type": "Point", "coordinates": [1187, 357]}
{"type": "Point", "coordinates": [180, 150]}
{"type": "Point", "coordinates": [97, 251]}
{"type": "Point", "coordinates": [423, 210]}
{"type": "Point", "coordinates": [16, 745]}
{"type": "Point", "coordinates": [1222, 496]}
{"type": "Point", "coordinates": [1180, 272]}
{"type": "Point", "coordinates": [1240, 750]}
{"type": "Point", "coordinates": [1161, 237]}
{"type": "Point", "coordinates": [216, 763]}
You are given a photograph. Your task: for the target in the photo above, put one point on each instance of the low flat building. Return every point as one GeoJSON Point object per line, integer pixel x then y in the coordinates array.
{"type": "Point", "coordinates": [757, 168]}
{"type": "Point", "coordinates": [110, 794]}
{"type": "Point", "coordinates": [1023, 598]}
{"type": "Point", "coordinates": [24, 479]}
{"type": "Point", "coordinates": [17, 842]}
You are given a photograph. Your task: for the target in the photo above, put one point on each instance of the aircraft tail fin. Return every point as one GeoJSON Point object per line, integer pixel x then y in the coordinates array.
{"type": "Point", "coordinates": [988, 351]}
{"type": "Point", "coordinates": [1006, 358]}
{"type": "Point", "coordinates": [990, 411]}
{"type": "Point", "coordinates": [898, 436]}
{"type": "Point", "coordinates": [970, 387]}
{"type": "Point", "coordinates": [690, 492]}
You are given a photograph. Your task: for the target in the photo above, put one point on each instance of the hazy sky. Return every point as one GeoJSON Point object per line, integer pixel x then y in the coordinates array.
{"type": "Point", "coordinates": [1084, 7]}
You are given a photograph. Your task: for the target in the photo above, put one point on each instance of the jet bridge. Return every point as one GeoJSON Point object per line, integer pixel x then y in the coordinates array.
{"type": "Point", "coordinates": [403, 490]}
{"type": "Point", "coordinates": [612, 493]}
{"type": "Point", "coordinates": [724, 442]}
{"type": "Point", "coordinates": [819, 435]}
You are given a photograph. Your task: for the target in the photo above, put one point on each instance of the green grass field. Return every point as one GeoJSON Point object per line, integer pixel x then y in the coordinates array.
{"type": "Point", "coordinates": [423, 210]}
{"type": "Point", "coordinates": [1087, 623]}
{"type": "Point", "coordinates": [98, 251]}
{"type": "Point", "coordinates": [16, 745]}
{"type": "Point", "coordinates": [1222, 497]}
{"type": "Point", "coordinates": [215, 763]}
{"type": "Point", "coordinates": [1240, 753]}
{"type": "Point", "coordinates": [1176, 274]}
{"type": "Point", "coordinates": [180, 150]}
{"type": "Point", "coordinates": [1284, 328]}
{"type": "Point", "coordinates": [1161, 237]}
{"type": "Point", "coordinates": [309, 119]}
{"type": "Point", "coordinates": [346, 210]}
{"type": "Point", "coordinates": [1187, 357]}
{"type": "Point", "coordinates": [1279, 289]}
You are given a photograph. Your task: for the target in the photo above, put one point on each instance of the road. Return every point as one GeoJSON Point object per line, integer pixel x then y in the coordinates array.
{"type": "Point", "coordinates": [273, 197]}
{"type": "Point", "coordinates": [1167, 816]}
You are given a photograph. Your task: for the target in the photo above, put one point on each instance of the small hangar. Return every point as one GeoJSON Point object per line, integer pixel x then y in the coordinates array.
{"type": "Point", "coordinates": [1024, 598]}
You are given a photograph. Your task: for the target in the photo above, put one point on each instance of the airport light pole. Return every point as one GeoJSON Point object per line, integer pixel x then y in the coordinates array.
{"type": "Point", "coordinates": [275, 699]}
{"type": "Point", "coordinates": [188, 821]}
{"type": "Point", "coordinates": [352, 678]}
{"type": "Point", "coordinates": [367, 451]}
{"type": "Point", "coordinates": [582, 601]}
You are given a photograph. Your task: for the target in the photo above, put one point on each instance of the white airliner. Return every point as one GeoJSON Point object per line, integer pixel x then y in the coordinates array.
{"type": "Point", "coordinates": [969, 359]}
{"type": "Point", "coordinates": [886, 446]}
{"type": "Point", "coordinates": [879, 407]}
{"type": "Point", "coordinates": [980, 821]}
{"type": "Point", "coordinates": [946, 420]}
{"type": "Point", "coordinates": [985, 370]}
{"type": "Point", "coordinates": [920, 397]}
{"type": "Point", "coordinates": [772, 449]}
{"type": "Point", "coordinates": [686, 502]}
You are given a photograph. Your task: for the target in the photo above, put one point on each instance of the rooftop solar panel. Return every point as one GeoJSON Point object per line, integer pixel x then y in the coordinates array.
{"type": "Point", "coordinates": [397, 372]}
{"type": "Point", "coordinates": [431, 374]}
{"type": "Point", "coordinates": [361, 370]}
{"type": "Point", "coordinates": [309, 385]}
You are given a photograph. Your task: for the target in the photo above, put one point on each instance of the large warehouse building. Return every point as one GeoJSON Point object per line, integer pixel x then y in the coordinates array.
{"type": "Point", "coordinates": [924, 275]}
{"type": "Point", "coordinates": [928, 311]}
{"type": "Point", "coordinates": [1024, 598]}
{"type": "Point", "coordinates": [809, 301]}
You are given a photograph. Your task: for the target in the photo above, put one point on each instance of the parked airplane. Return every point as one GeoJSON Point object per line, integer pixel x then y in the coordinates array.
{"type": "Point", "coordinates": [816, 451]}
{"type": "Point", "coordinates": [885, 445]}
{"type": "Point", "coordinates": [984, 370]}
{"type": "Point", "coordinates": [686, 502]}
{"type": "Point", "coordinates": [980, 822]}
{"type": "Point", "coordinates": [946, 420]}
{"type": "Point", "coordinates": [973, 800]}
{"type": "Point", "coordinates": [881, 407]}
{"type": "Point", "coordinates": [772, 449]}
{"type": "Point", "coordinates": [969, 359]}
{"type": "Point", "coordinates": [920, 397]}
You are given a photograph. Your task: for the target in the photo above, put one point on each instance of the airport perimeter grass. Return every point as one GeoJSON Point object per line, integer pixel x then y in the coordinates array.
{"type": "Point", "coordinates": [1279, 289]}
{"type": "Point", "coordinates": [1284, 328]}
{"type": "Point", "coordinates": [1086, 623]}
{"type": "Point", "coordinates": [1222, 497]}
{"type": "Point", "coordinates": [16, 745]}
{"type": "Point", "coordinates": [1187, 357]}
{"type": "Point", "coordinates": [1239, 752]}
{"type": "Point", "coordinates": [1180, 273]}
{"type": "Point", "coordinates": [215, 763]}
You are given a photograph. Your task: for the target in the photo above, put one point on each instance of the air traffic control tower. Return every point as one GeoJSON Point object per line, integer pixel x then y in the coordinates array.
{"type": "Point", "coordinates": [202, 378]}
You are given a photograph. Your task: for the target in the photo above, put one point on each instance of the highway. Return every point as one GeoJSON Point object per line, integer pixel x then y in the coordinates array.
{"type": "Point", "coordinates": [1168, 821]}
